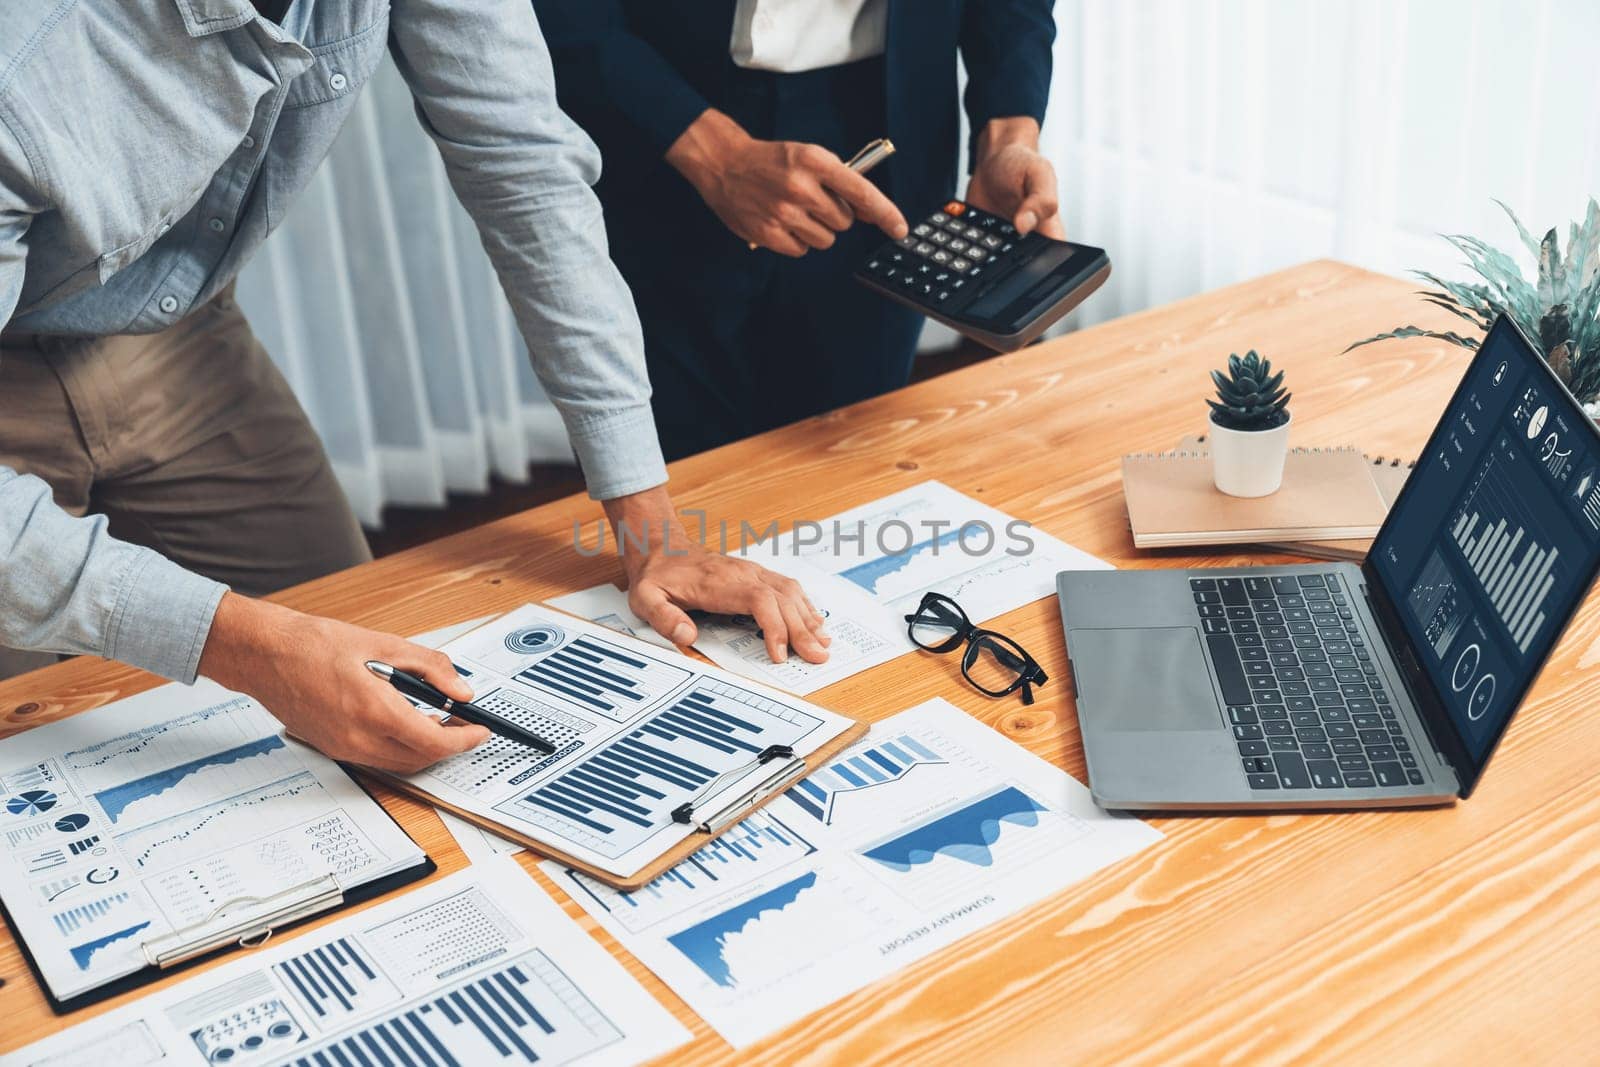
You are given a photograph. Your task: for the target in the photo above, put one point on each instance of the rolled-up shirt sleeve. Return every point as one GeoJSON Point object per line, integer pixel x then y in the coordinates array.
{"type": "Point", "coordinates": [481, 77]}
{"type": "Point", "coordinates": [66, 585]}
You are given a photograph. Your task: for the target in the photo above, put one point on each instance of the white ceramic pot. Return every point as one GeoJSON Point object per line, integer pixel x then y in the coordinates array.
{"type": "Point", "coordinates": [1249, 462]}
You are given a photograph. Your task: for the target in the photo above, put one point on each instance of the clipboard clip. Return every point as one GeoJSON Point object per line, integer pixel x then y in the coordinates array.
{"type": "Point", "coordinates": [267, 914]}
{"type": "Point", "coordinates": [716, 819]}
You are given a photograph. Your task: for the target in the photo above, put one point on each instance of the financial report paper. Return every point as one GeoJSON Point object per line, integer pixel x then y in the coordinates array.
{"type": "Point", "coordinates": [165, 812]}
{"type": "Point", "coordinates": [867, 568]}
{"type": "Point", "coordinates": [477, 968]}
{"type": "Point", "coordinates": [931, 828]}
{"type": "Point", "coordinates": [638, 731]}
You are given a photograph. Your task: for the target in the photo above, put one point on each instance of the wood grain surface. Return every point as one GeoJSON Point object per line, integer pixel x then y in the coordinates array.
{"type": "Point", "coordinates": [1462, 935]}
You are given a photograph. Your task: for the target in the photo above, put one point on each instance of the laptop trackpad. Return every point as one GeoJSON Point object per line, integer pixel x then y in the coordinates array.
{"type": "Point", "coordinates": [1154, 679]}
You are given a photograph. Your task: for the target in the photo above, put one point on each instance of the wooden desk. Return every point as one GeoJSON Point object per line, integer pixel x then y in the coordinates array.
{"type": "Point", "coordinates": [1466, 935]}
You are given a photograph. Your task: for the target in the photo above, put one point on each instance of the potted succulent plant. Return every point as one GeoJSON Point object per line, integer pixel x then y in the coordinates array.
{"type": "Point", "coordinates": [1249, 427]}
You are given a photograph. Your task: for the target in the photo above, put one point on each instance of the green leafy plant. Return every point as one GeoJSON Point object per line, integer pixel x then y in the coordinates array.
{"type": "Point", "coordinates": [1559, 309]}
{"type": "Point", "coordinates": [1249, 396]}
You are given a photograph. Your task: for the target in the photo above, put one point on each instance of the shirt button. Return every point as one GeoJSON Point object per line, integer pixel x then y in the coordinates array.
{"type": "Point", "coordinates": [337, 82]}
{"type": "Point", "coordinates": [217, 225]}
{"type": "Point", "coordinates": [248, 142]}
{"type": "Point", "coordinates": [169, 304]}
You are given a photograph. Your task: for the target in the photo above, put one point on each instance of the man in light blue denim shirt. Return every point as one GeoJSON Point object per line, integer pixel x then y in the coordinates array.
{"type": "Point", "coordinates": [147, 148]}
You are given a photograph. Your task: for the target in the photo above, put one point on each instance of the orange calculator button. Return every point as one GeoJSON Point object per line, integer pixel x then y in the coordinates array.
{"type": "Point", "coordinates": [954, 208]}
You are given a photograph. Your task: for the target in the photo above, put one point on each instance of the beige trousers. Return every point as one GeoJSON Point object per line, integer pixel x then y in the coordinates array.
{"type": "Point", "coordinates": [189, 441]}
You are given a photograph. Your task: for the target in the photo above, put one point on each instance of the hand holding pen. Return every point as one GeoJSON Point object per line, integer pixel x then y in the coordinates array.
{"type": "Point", "coordinates": [787, 196]}
{"type": "Point", "coordinates": [409, 685]}
{"type": "Point", "coordinates": [873, 153]}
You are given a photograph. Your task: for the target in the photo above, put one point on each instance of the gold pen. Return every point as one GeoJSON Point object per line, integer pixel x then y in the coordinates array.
{"type": "Point", "coordinates": [873, 153]}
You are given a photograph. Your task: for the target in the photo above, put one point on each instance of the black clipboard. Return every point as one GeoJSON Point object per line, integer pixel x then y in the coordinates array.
{"type": "Point", "coordinates": [296, 906]}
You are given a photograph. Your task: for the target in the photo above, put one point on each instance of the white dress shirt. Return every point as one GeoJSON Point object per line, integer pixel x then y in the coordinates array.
{"type": "Point", "coordinates": [790, 36]}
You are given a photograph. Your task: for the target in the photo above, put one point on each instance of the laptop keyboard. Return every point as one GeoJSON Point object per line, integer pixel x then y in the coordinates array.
{"type": "Point", "coordinates": [1306, 703]}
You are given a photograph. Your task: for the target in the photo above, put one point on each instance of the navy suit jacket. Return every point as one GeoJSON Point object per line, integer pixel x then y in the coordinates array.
{"type": "Point", "coordinates": [636, 73]}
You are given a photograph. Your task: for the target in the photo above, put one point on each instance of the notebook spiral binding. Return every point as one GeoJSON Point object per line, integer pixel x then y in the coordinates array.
{"type": "Point", "coordinates": [1185, 453]}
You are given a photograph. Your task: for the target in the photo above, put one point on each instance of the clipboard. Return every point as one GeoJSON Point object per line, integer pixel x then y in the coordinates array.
{"type": "Point", "coordinates": [711, 813]}
{"type": "Point", "coordinates": [210, 938]}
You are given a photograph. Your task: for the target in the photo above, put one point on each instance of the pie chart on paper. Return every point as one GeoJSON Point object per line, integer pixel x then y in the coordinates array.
{"type": "Point", "coordinates": [32, 802]}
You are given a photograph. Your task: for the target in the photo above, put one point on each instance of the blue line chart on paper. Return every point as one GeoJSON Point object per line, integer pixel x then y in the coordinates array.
{"type": "Point", "coordinates": [118, 799]}
{"type": "Point", "coordinates": [755, 847]}
{"type": "Point", "coordinates": [617, 797]}
{"type": "Point", "coordinates": [83, 955]}
{"type": "Point", "coordinates": [966, 834]}
{"type": "Point", "coordinates": [707, 942]}
{"type": "Point", "coordinates": [216, 822]}
{"type": "Point", "coordinates": [869, 573]}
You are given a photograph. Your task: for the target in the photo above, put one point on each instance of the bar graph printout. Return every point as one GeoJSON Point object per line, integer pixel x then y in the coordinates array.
{"type": "Point", "coordinates": [931, 828]}
{"type": "Point", "coordinates": [639, 731]}
{"type": "Point", "coordinates": [474, 970]}
{"type": "Point", "coordinates": [152, 814]}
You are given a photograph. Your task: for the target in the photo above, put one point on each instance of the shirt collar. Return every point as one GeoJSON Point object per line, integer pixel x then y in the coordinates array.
{"type": "Point", "coordinates": [205, 17]}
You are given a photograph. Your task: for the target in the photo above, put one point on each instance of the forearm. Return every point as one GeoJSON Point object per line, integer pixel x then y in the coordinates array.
{"type": "Point", "coordinates": [523, 171]}
{"type": "Point", "coordinates": [701, 152]}
{"type": "Point", "coordinates": [66, 585]}
{"type": "Point", "coordinates": [644, 523]}
{"type": "Point", "coordinates": [1001, 133]}
{"type": "Point", "coordinates": [244, 640]}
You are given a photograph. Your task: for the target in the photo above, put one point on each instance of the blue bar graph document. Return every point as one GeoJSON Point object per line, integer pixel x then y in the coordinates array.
{"type": "Point", "coordinates": [931, 828]}
{"type": "Point", "coordinates": [124, 825]}
{"type": "Point", "coordinates": [876, 764]}
{"type": "Point", "coordinates": [760, 844]}
{"type": "Point", "coordinates": [639, 731]}
{"type": "Point", "coordinates": [478, 969]}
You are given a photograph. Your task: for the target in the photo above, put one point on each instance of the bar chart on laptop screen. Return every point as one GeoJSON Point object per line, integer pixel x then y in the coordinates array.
{"type": "Point", "coordinates": [1505, 548]}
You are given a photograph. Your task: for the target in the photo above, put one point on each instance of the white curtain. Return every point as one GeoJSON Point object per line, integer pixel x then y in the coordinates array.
{"type": "Point", "coordinates": [381, 308]}
{"type": "Point", "coordinates": [1201, 142]}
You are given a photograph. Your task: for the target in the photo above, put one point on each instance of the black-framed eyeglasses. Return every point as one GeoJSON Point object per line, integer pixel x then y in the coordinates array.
{"type": "Point", "coordinates": [992, 663]}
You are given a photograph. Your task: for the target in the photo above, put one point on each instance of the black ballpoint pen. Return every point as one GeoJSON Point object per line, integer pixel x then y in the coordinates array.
{"type": "Point", "coordinates": [411, 686]}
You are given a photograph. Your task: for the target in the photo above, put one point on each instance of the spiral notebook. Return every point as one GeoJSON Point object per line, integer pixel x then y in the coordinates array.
{"type": "Point", "coordinates": [1389, 474]}
{"type": "Point", "coordinates": [1328, 494]}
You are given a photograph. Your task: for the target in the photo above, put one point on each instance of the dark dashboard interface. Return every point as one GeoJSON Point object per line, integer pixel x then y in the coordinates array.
{"type": "Point", "coordinates": [1496, 537]}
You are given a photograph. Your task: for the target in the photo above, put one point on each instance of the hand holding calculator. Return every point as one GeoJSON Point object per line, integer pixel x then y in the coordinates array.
{"type": "Point", "coordinates": [973, 272]}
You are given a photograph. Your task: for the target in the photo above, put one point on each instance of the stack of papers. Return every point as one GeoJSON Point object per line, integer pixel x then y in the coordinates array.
{"type": "Point", "coordinates": [931, 829]}
{"type": "Point", "coordinates": [481, 967]}
{"type": "Point", "coordinates": [176, 810]}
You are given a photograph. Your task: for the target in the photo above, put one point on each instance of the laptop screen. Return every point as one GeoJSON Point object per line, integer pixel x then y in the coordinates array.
{"type": "Point", "coordinates": [1496, 537]}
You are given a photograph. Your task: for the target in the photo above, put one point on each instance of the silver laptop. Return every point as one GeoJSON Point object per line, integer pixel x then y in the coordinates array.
{"type": "Point", "coordinates": [1345, 686]}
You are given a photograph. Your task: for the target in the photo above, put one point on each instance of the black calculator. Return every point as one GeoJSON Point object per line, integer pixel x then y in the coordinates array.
{"type": "Point", "coordinates": [972, 271]}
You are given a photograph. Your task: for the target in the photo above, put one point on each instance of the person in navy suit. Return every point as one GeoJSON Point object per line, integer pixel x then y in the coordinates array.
{"type": "Point", "coordinates": [725, 122]}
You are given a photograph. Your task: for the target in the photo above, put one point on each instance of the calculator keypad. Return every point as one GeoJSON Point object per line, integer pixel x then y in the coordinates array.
{"type": "Point", "coordinates": [945, 253]}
